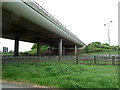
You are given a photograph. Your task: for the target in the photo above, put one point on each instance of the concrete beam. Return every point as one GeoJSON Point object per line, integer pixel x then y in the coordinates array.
{"type": "Point", "coordinates": [38, 48]}
{"type": "Point", "coordinates": [16, 47]}
{"type": "Point", "coordinates": [60, 47]}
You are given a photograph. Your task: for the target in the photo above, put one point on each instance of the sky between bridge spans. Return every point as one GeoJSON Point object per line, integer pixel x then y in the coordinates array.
{"type": "Point", "coordinates": [85, 18]}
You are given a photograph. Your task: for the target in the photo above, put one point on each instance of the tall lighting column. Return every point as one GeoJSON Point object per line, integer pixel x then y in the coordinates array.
{"type": "Point", "coordinates": [108, 35]}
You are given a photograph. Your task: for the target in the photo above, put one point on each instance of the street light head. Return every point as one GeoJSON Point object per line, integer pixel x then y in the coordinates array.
{"type": "Point", "coordinates": [107, 23]}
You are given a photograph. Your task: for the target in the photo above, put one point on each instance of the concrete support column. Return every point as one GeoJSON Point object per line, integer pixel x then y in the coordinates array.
{"type": "Point", "coordinates": [51, 47]}
{"type": "Point", "coordinates": [63, 50]}
{"type": "Point", "coordinates": [75, 50]}
{"type": "Point", "coordinates": [51, 50]}
{"type": "Point", "coordinates": [38, 48]}
{"type": "Point", "coordinates": [16, 47]}
{"type": "Point", "coordinates": [60, 47]}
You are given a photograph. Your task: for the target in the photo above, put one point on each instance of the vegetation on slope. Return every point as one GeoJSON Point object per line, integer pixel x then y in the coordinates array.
{"type": "Point", "coordinates": [97, 47]}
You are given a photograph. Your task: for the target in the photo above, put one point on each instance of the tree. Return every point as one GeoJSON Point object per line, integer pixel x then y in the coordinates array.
{"type": "Point", "coordinates": [34, 46]}
{"type": "Point", "coordinates": [33, 50]}
{"type": "Point", "coordinates": [11, 52]}
{"type": "Point", "coordinates": [93, 47]}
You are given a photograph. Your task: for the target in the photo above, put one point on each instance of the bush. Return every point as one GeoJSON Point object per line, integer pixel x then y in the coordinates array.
{"type": "Point", "coordinates": [98, 47]}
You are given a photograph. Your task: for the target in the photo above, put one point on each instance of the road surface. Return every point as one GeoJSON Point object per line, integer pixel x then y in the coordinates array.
{"type": "Point", "coordinates": [13, 85]}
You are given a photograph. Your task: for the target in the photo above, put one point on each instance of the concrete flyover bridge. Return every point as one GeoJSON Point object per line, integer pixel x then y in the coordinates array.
{"type": "Point", "coordinates": [27, 21]}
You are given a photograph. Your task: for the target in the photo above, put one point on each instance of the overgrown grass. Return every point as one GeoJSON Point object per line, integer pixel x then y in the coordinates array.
{"type": "Point", "coordinates": [62, 75]}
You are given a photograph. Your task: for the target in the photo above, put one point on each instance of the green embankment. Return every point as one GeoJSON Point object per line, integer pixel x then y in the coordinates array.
{"type": "Point", "coordinates": [62, 75]}
{"type": "Point", "coordinates": [112, 52]}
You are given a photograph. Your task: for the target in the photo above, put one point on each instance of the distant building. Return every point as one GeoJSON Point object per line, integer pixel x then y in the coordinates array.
{"type": "Point", "coordinates": [5, 49]}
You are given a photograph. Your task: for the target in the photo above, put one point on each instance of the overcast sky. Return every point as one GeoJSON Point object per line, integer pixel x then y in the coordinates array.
{"type": "Point", "coordinates": [85, 18]}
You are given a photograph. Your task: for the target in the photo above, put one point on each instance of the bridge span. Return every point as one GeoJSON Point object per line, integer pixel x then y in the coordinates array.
{"type": "Point", "coordinates": [28, 21]}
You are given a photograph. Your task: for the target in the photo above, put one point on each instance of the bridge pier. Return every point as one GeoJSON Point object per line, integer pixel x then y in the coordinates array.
{"type": "Point", "coordinates": [38, 48]}
{"type": "Point", "coordinates": [60, 47]}
{"type": "Point", "coordinates": [63, 50]}
{"type": "Point", "coordinates": [16, 47]}
{"type": "Point", "coordinates": [75, 50]}
{"type": "Point", "coordinates": [51, 49]}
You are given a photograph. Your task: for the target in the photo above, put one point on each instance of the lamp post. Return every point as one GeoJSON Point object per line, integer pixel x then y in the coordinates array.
{"type": "Point", "coordinates": [108, 34]}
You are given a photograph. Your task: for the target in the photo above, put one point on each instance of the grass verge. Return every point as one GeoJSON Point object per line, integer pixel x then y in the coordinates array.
{"type": "Point", "coordinates": [62, 75]}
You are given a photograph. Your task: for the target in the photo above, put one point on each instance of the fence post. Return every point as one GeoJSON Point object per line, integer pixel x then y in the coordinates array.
{"type": "Point", "coordinates": [94, 59]}
{"type": "Point", "coordinates": [59, 58]}
{"type": "Point", "coordinates": [113, 60]}
{"type": "Point", "coordinates": [3, 60]}
{"type": "Point", "coordinates": [76, 57]}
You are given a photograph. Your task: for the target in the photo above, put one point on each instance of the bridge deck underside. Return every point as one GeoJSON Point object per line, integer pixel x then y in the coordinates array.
{"type": "Point", "coordinates": [15, 26]}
